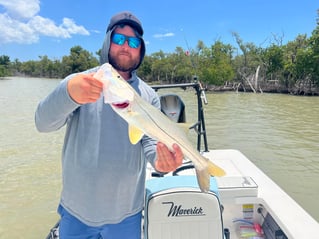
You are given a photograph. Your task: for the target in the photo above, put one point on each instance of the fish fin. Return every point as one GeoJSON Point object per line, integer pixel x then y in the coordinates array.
{"type": "Point", "coordinates": [214, 170]}
{"type": "Point", "coordinates": [203, 179]}
{"type": "Point", "coordinates": [203, 176]}
{"type": "Point", "coordinates": [135, 134]}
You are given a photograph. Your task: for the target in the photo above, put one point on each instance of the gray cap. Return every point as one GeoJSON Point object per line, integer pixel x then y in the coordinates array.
{"type": "Point", "coordinates": [126, 18]}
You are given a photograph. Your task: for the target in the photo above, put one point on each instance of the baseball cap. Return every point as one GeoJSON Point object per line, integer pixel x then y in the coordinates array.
{"type": "Point", "coordinates": [128, 18]}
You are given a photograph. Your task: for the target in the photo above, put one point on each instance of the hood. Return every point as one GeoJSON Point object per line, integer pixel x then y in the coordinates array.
{"type": "Point", "coordinates": [126, 18]}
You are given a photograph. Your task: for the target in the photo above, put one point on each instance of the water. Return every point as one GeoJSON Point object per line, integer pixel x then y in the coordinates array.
{"type": "Point", "coordinates": [29, 162]}
{"type": "Point", "coordinates": [279, 133]}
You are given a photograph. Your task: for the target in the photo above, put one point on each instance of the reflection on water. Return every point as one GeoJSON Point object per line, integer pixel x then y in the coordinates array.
{"type": "Point", "coordinates": [280, 133]}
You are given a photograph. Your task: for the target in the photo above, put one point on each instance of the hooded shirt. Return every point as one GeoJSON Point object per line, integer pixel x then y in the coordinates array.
{"type": "Point", "coordinates": [125, 18]}
{"type": "Point", "coordinates": [103, 173]}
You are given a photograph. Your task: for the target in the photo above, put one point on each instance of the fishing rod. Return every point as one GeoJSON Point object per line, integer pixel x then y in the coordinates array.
{"type": "Point", "coordinates": [202, 93]}
{"type": "Point", "coordinates": [199, 127]}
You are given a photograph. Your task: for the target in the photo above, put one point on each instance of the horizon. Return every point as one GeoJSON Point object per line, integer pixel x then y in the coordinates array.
{"type": "Point", "coordinates": [33, 28]}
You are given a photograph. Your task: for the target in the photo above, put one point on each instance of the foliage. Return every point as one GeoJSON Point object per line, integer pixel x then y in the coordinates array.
{"type": "Point", "coordinates": [314, 54]}
{"type": "Point", "coordinates": [4, 65]}
{"type": "Point", "coordinates": [295, 63]}
{"type": "Point", "coordinates": [79, 60]}
{"type": "Point", "coordinates": [215, 64]}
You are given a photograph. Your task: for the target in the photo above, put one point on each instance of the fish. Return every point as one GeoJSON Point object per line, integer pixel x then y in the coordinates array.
{"type": "Point", "coordinates": [145, 119]}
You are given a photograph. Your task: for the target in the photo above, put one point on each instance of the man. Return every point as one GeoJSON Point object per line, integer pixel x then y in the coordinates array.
{"type": "Point", "coordinates": [103, 173]}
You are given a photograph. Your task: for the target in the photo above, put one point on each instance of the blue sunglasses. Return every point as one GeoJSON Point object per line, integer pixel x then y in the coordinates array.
{"type": "Point", "coordinates": [120, 39]}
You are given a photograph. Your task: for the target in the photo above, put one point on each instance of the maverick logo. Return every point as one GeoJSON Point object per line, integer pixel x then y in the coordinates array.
{"type": "Point", "coordinates": [180, 211]}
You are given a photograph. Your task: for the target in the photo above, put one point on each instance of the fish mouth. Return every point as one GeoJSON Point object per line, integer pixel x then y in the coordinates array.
{"type": "Point", "coordinates": [121, 105]}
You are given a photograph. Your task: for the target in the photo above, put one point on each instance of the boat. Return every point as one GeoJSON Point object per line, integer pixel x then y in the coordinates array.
{"type": "Point", "coordinates": [243, 204]}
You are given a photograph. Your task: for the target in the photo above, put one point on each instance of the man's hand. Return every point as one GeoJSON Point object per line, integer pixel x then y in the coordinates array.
{"type": "Point", "coordinates": [168, 161]}
{"type": "Point", "coordinates": [84, 88]}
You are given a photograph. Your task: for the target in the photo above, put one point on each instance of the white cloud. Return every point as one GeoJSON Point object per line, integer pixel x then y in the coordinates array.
{"type": "Point", "coordinates": [14, 31]}
{"type": "Point", "coordinates": [21, 24]}
{"type": "Point", "coordinates": [170, 34]}
{"type": "Point", "coordinates": [72, 28]}
{"type": "Point", "coordinates": [21, 8]}
{"type": "Point", "coordinates": [47, 27]}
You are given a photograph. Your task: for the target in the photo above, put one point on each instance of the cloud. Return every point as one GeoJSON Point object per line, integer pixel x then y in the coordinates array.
{"type": "Point", "coordinates": [21, 24]}
{"type": "Point", "coordinates": [21, 8]}
{"type": "Point", "coordinates": [47, 27]}
{"type": "Point", "coordinates": [72, 28]}
{"type": "Point", "coordinates": [170, 34]}
{"type": "Point", "coordinates": [14, 31]}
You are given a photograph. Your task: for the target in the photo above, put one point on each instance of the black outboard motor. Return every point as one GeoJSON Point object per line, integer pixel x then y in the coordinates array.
{"type": "Point", "coordinates": [173, 107]}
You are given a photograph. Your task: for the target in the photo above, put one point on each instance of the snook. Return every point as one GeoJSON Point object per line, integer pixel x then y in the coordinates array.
{"type": "Point", "coordinates": [143, 118]}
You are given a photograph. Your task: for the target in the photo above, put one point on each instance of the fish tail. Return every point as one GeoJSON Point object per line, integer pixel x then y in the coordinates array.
{"type": "Point", "coordinates": [214, 170]}
{"type": "Point", "coordinates": [203, 179]}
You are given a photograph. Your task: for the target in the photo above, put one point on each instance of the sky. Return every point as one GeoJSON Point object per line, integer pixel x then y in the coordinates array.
{"type": "Point", "coordinates": [30, 29]}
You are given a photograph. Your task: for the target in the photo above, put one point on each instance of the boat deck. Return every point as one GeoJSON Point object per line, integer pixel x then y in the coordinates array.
{"type": "Point", "coordinates": [247, 193]}
{"type": "Point", "coordinates": [293, 220]}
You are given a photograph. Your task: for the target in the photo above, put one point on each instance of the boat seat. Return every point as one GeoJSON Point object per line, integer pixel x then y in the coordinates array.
{"type": "Point", "coordinates": [175, 208]}
{"type": "Point", "coordinates": [173, 107]}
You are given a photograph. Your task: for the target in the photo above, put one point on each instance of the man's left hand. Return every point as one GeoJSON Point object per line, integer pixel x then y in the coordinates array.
{"type": "Point", "coordinates": [168, 161]}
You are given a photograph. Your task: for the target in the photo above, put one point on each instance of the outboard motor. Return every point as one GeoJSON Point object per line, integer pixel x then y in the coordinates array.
{"type": "Point", "coordinates": [173, 107]}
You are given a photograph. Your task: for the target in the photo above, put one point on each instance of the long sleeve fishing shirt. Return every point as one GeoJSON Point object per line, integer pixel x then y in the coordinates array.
{"type": "Point", "coordinates": [103, 173]}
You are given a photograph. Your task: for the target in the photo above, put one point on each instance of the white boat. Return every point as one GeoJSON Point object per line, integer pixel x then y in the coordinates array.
{"type": "Point", "coordinates": [245, 203]}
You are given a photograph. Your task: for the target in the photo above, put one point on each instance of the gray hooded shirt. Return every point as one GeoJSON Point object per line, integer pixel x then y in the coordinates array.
{"type": "Point", "coordinates": [103, 173]}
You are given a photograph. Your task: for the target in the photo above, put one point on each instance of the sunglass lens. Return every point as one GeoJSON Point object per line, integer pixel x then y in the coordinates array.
{"type": "Point", "coordinates": [118, 39]}
{"type": "Point", "coordinates": [134, 42]}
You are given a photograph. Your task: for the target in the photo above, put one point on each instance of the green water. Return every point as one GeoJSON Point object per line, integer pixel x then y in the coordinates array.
{"type": "Point", "coordinates": [279, 133]}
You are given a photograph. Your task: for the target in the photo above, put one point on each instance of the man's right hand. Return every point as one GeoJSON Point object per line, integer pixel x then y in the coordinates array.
{"type": "Point", "coordinates": [84, 88]}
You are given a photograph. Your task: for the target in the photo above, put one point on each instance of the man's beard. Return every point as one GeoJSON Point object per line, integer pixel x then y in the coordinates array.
{"type": "Point", "coordinates": [124, 66]}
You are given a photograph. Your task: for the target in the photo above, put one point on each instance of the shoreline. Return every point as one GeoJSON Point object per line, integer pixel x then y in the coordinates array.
{"type": "Point", "coordinates": [297, 90]}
